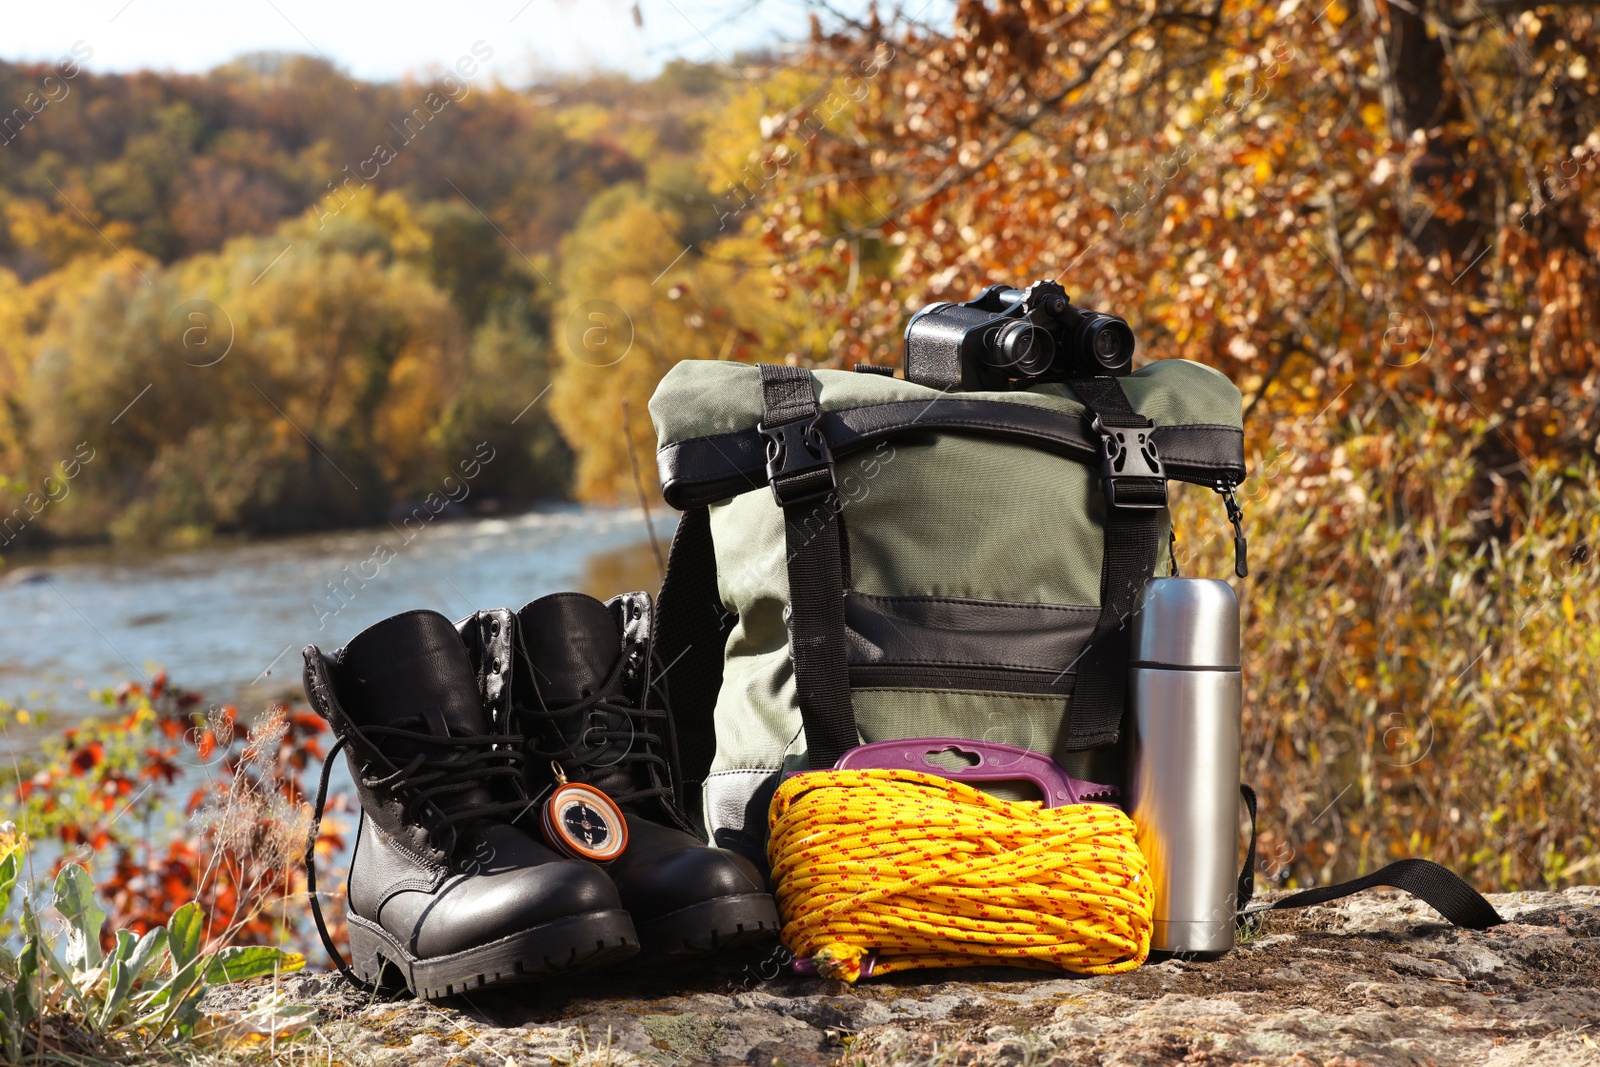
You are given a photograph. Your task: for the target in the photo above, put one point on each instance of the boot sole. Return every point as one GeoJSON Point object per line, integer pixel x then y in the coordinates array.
{"type": "Point", "coordinates": [554, 948]}
{"type": "Point", "coordinates": [711, 926]}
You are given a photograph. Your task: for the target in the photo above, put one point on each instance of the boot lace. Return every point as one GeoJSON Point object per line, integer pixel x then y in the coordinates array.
{"type": "Point", "coordinates": [421, 781]}
{"type": "Point", "coordinates": [485, 757]}
{"type": "Point", "coordinates": [588, 755]}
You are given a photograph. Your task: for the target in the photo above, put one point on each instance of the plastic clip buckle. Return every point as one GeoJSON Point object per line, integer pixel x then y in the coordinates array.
{"type": "Point", "coordinates": [1130, 467]}
{"type": "Point", "coordinates": [799, 461]}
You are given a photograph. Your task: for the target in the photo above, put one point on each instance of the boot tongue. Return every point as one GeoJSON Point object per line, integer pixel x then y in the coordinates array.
{"type": "Point", "coordinates": [573, 643]}
{"type": "Point", "coordinates": [409, 667]}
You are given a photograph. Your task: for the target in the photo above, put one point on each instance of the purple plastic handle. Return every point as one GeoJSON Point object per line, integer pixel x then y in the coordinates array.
{"type": "Point", "coordinates": [997, 763]}
{"type": "Point", "coordinates": [808, 966]}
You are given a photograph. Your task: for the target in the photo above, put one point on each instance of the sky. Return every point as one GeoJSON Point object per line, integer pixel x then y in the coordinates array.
{"type": "Point", "coordinates": [530, 39]}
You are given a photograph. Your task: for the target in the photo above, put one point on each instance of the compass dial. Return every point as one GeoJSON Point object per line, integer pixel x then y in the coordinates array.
{"type": "Point", "coordinates": [582, 822]}
{"type": "Point", "coordinates": [585, 824]}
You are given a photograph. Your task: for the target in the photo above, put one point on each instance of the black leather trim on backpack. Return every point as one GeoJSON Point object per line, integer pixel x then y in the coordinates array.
{"type": "Point", "coordinates": [691, 634]}
{"type": "Point", "coordinates": [704, 470]}
{"type": "Point", "coordinates": [943, 678]}
{"type": "Point", "coordinates": [800, 445]}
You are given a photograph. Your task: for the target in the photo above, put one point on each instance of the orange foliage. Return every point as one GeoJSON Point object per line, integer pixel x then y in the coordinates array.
{"type": "Point", "coordinates": [1311, 197]}
{"type": "Point", "coordinates": [106, 786]}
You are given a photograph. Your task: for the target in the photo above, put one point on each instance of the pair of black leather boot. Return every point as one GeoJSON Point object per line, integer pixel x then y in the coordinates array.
{"type": "Point", "coordinates": [516, 774]}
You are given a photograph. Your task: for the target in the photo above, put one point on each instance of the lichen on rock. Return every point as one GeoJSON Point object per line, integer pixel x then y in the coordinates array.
{"type": "Point", "coordinates": [1375, 980]}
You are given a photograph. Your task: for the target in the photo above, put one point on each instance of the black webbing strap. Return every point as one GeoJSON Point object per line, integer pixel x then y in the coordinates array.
{"type": "Point", "coordinates": [690, 639]}
{"type": "Point", "coordinates": [800, 469]}
{"type": "Point", "coordinates": [1136, 496]}
{"type": "Point", "coordinates": [1438, 887]}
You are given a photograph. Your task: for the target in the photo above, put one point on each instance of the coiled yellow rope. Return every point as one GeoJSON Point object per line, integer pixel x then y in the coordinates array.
{"type": "Point", "coordinates": [933, 873]}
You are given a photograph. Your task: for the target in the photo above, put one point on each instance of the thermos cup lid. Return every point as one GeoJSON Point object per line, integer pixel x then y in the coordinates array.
{"type": "Point", "coordinates": [1187, 623]}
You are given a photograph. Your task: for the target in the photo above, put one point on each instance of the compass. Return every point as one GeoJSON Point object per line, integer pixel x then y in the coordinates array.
{"type": "Point", "coordinates": [582, 822]}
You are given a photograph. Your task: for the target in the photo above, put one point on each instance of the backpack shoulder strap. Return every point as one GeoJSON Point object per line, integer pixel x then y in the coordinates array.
{"type": "Point", "coordinates": [1438, 887]}
{"type": "Point", "coordinates": [1136, 499]}
{"type": "Point", "coordinates": [800, 471]}
{"type": "Point", "coordinates": [691, 634]}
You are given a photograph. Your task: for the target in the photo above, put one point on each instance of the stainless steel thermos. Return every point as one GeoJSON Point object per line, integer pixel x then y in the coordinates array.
{"type": "Point", "coordinates": [1186, 696]}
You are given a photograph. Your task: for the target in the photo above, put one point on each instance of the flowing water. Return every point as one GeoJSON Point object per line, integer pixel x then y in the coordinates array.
{"type": "Point", "coordinates": [229, 620]}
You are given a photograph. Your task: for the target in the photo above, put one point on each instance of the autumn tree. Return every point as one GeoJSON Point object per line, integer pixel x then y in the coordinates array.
{"type": "Point", "coordinates": [637, 298]}
{"type": "Point", "coordinates": [254, 387]}
{"type": "Point", "coordinates": [130, 199]}
{"type": "Point", "coordinates": [1390, 198]}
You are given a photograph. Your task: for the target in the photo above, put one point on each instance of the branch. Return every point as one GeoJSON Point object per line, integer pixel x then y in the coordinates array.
{"type": "Point", "coordinates": [1484, 10]}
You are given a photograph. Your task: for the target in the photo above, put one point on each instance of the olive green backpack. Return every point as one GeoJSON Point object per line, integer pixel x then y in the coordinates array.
{"type": "Point", "coordinates": [863, 558]}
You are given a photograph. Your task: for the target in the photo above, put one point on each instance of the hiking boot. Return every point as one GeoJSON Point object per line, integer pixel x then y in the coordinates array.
{"type": "Point", "coordinates": [446, 892]}
{"type": "Point", "coordinates": [586, 695]}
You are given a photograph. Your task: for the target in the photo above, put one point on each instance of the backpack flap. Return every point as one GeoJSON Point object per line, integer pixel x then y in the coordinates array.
{"type": "Point", "coordinates": [930, 563]}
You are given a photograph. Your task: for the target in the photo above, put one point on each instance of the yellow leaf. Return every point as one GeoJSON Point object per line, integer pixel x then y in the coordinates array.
{"type": "Point", "coordinates": [1569, 609]}
{"type": "Point", "coordinates": [1375, 117]}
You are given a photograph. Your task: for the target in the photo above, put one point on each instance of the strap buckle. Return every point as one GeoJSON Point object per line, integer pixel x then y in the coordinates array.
{"type": "Point", "coordinates": [799, 461]}
{"type": "Point", "coordinates": [1130, 466]}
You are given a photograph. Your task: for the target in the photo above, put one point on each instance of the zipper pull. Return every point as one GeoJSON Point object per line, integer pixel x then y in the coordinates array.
{"type": "Point", "coordinates": [1241, 566]}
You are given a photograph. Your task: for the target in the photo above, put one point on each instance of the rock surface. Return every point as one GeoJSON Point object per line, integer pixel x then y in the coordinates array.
{"type": "Point", "coordinates": [1376, 979]}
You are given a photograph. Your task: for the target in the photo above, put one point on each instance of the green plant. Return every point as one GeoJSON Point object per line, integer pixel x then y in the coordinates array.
{"type": "Point", "coordinates": [67, 998]}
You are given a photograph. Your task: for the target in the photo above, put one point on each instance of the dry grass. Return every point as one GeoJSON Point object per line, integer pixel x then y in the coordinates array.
{"type": "Point", "coordinates": [1422, 678]}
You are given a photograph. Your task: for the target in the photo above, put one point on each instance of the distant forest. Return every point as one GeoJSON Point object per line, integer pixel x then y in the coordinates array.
{"type": "Point", "coordinates": [268, 298]}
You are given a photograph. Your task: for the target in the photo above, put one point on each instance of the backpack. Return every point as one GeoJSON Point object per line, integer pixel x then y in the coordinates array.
{"type": "Point", "coordinates": [863, 558]}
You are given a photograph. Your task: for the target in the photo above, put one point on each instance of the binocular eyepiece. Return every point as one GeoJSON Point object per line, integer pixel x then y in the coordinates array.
{"type": "Point", "coordinates": [1014, 338]}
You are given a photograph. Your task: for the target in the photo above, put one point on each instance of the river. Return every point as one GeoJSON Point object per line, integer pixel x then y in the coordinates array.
{"type": "Point", "coordinates": [229, 619]}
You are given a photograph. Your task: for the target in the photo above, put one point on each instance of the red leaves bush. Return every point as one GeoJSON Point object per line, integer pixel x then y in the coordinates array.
{"type": "Point", "coordinates": [167, 799]}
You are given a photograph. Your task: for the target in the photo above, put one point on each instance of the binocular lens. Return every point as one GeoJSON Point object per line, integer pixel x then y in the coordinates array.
{"type": "Point", "coordinates": [1108, 339]}
{"type": "Point", "coordinates": [1025, 349]}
